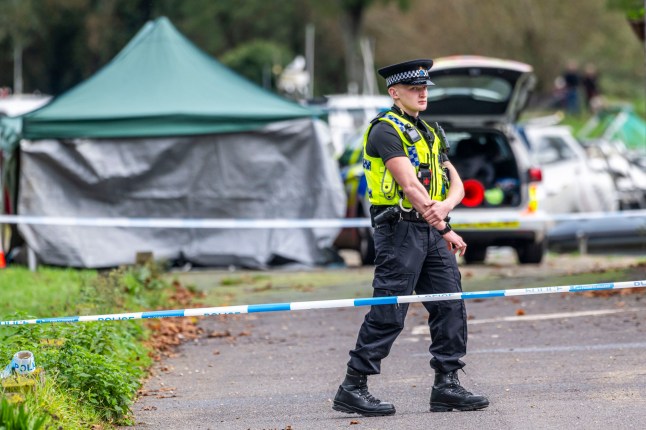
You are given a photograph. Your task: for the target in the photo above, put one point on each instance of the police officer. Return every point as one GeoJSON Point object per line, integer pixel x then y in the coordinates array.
{"type": "Point", "coordinates": [412, 187]}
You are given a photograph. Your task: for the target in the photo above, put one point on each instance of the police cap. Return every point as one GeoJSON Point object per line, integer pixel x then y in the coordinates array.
{"type": "Point", "coordinates": [414, 72]}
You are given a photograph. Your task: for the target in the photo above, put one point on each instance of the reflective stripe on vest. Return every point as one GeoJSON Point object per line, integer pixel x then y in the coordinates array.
{"type": "Point", "coordinates": [382, 188]}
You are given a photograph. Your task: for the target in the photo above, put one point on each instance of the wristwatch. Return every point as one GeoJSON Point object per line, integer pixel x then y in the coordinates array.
{"type": "Point", "coordinates": [445, 230]}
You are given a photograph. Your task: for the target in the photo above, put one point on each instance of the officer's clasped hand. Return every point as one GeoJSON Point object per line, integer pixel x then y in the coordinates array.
{"type": "Point", "coordinates": [436, 212]}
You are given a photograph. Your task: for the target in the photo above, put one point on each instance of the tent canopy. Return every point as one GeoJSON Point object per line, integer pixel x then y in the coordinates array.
{"type": "Point", "coordinates": [164, 130]}
{"type": "Point", "coordinates": [149, 89]}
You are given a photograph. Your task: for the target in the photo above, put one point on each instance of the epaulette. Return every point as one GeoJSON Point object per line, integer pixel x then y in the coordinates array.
{"type": "Point", "coordinates": [381, 114]}
{"type": "Point", "coordinates": [444, 142]}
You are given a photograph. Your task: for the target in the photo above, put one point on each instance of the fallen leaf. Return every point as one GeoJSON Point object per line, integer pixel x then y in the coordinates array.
{"type": "Point", "coordinates": [225, 333]}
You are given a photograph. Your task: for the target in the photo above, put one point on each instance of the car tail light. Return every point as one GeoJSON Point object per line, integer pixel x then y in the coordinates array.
{"type": "Point", "coordinates": [535, 174]}
{"type": "Point", "coordinates": [474, 193]}
{"type": "Point", "coordinates": [532, 204]}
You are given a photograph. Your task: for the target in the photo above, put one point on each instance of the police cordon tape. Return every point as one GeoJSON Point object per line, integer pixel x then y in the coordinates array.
{"type": "Point", "coordinates": [502, 218]}
{"type": "Point", "coordinates": [22, 363]}
{"type": "Point", "coordinates": [329, 304]}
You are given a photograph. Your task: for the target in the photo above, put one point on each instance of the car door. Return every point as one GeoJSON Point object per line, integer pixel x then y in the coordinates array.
{"type": "Point", "coordinates": [561, 168]}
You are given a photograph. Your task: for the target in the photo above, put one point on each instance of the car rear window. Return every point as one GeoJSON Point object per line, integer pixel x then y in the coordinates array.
{"type": "Point", "coordinates": [483, 88]}
{"type": "Point", "coordinates": [469, 94]}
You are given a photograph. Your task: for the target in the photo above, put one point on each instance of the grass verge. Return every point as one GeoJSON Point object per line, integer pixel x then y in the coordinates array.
{"type": "Point", "coordinates": [90, 371]}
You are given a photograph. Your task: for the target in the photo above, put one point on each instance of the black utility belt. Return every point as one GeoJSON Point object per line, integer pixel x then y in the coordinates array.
{"type": "Point", "coordinates": [412, 216]}
{"type": "Point", "coordinates": [385, 214]}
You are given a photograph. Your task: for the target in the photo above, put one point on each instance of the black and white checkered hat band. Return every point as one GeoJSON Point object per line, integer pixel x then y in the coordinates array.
{"type": "Point", "coordinates": [407, 76]}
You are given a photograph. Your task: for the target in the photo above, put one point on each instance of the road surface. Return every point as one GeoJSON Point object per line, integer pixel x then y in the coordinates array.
{"type": "Point", "coordinates": [546, 361]}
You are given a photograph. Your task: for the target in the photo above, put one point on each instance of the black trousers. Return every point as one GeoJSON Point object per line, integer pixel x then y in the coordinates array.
{"type": "Point", "coordinates": [412, 256]}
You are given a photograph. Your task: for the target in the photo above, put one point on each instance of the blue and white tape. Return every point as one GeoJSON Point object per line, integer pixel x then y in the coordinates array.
{"type": "Point", "coordinates": [501, 217]}
{"type": "Point", "coordinates": [219, 223]}
{"type": "Point", "coordinates": [22, 363]}
{"type": "Point", "coordinates": [328, 304]}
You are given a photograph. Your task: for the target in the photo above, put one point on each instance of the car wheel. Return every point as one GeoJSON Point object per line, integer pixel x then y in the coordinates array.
{"type": "Point", "coordinates": [530, 252]}
{"type": "Point", "coordinates": [366, 246]}
{"type": "Point", "coordinates": [475, 254]}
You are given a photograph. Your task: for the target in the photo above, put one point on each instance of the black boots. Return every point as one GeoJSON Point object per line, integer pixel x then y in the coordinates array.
{"type": "Point", "coordinates": [353, 397]}
{"type": "Point", "coordinates": [448, 394]}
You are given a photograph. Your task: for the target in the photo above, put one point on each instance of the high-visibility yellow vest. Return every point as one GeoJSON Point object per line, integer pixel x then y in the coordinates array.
{"type": "Point", "coordinates": [382, 188]}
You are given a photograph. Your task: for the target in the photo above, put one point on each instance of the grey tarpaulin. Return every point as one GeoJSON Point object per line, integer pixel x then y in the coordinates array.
{"type": "Point", "coordinates": [283, 170]}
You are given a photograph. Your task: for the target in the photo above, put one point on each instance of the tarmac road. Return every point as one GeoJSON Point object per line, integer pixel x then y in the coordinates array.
{"type": "Point", "coordinates": [545, 362]}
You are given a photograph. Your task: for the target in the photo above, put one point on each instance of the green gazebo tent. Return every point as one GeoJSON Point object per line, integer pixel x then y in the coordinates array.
{"type": "Point", "coordinates": [165, 130]}
{"type": "Point", "coordinates": [160, 84]}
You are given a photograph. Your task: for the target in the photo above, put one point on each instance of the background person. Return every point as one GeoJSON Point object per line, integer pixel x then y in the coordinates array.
{"type": "Point", "coordinates": [590, 84]}
{"type": "Point", "coordinates": [572, 80]}
{"type": "Point", "coordinates": [406, 167]}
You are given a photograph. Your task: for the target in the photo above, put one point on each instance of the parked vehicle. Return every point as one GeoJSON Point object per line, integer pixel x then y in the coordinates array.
{"type": "Point", "coordinates": [348, 114]}
{"type": "Point", "coordinates": [572, 180]}
{"type": "Point", "coordinates": [626, 168]}
{"type": "Point", "coordinates": [617, 135]}
{"type": "Point", "coordinates": [477, 100]}
{"type": "Point", "coordinates": [354, 180]}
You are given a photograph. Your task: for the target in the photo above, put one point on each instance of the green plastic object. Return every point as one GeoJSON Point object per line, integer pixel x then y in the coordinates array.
{"type": "Point", "coordinates": [494, 196]}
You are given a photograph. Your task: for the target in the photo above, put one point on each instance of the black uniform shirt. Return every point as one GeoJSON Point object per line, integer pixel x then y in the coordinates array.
{"type": "Point", "coordinates": [384, 142]}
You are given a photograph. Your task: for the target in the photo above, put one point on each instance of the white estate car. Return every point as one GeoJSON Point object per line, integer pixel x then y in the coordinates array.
{"type": "Point", "coordinates": [572, 181]}
{"type": "Point", "coordinates": [477, 100]}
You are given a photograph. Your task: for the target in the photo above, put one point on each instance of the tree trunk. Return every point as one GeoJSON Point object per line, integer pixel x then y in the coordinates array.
{"type": "Point", "coordinates": [353, 61]}
{"type": "Point", "coordinates": [17, 67]}
{"type": "Point", "coordinates": [639, 28]}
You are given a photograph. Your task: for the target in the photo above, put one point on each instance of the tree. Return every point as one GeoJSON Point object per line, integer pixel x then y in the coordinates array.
{"type": "Point", "coordinates": [18, 22]}
{"type": "Point", "coordinates": [634, 10]}
{"type": "Point", "coordinates": [352, 17]}
{"type": "Point", "coordinates": [258, 61]}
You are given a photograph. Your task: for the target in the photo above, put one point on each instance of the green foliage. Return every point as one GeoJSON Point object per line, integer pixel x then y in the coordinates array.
{"type": "Point", "coordinates": [21, 337]}
{"type": "Point", "coordinates": [94, 368]}
{"type": "Point", "coordinates": [634, 9]}
{"type": "Point", "coordinates": [17, 417]}
{"type": "Point", "coordinates": [66, 42]}
{"type": "Point", "coordinates": [258, 60]}
{"type": "Point", "coordinates": [61, 406]}
{"type": "Point", "coordinates": [108, 384]}
{"type": "Point", "coordinates": [146, 277]}
{"type": "Point", "coordinates": [123, 288]}
{"type": "Point", "coordinates": [101, 363]}
{"type": "Point", "coordinates": [43, 291]}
